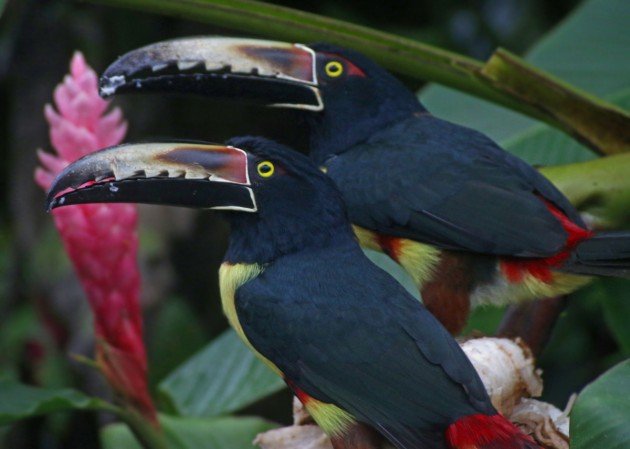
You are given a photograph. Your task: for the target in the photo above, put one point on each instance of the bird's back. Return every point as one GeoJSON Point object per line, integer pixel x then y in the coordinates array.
{"type": "Point", "coordinates": [436, 182]}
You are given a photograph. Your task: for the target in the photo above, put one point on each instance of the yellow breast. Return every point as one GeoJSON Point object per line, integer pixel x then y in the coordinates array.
{"type": "Point", "coordinates": [231, 277]}
{"type": "Point", "coordinates": [332, 419]}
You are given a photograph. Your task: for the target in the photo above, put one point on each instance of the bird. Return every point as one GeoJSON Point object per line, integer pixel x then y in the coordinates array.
{"type": "Point", "coordinates": [469, 222]}
{"type": "Point", "coordinates": [357, 354]}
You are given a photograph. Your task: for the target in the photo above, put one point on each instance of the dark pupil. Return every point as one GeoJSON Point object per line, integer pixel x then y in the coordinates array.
{"type": "Point", "coordinates": [265, 168]}
{"type": "Point", "coordinates": [334, 68]}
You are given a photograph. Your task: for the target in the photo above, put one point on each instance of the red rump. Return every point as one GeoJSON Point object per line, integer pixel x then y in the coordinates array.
{"type": "Point", "coordinates": [487, 432]}
{"type": "Point", "coordinates": [515, 269]}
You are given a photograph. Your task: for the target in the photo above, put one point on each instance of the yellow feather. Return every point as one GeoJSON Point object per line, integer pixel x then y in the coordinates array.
{"type": "Point", "coordinates": [333, 420]}
{"type": "Point", "coordinates": [231, 277]}
{"type": "Point", "coordinates": [419, 260]}
{"type": "Point", "coordinates": [367, 239]}
{"type": "Point", "coordinates": [501, 291]}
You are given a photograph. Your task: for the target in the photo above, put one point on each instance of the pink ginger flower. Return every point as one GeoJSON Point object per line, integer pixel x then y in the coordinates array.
{"type": "Point", "coordinates": [101, 239]}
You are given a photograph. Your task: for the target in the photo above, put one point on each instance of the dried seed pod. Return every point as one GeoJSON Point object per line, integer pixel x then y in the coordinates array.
{"type": "Point", "coordinates": [507, 369]}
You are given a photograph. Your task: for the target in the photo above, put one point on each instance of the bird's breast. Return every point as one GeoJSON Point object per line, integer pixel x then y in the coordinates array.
{"type": "Point", "coordinates": [231, 277]}
{"type": "Point", "coordinates": [332, 419]}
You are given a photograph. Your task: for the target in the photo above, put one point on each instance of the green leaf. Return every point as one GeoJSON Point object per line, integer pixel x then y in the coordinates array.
{"type": "Point", "coordinates": [543, 145]}
{"type": "Point", "coordinates": [165, 352]}
{"type": "Point", "coordinates": [17, 327]}
{"type": "Point", "coordinates": [223, 377]}
{"type": "Point", "coordinates": [599, 187]}
{"type": "Point", "coordinates": [596, 123]}
{"type": "Point", "coordinates": [602, 412]}
{"type": "Point", "coordinates": [617, 310]}
{"type": "Point", "coordinates": [597, 65]}
{"type": "Point", "coordinates": [20, 401]}
{"type": "Point", "coordinates": [484, 319]}
{"type": "Point", "coordinates": [193, 433]}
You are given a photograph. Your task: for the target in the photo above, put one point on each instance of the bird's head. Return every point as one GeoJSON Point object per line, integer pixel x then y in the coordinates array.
{"type": "Point", "coordinates": [344, 95]}
{"type": "Point", "coordinates": [276, 200]}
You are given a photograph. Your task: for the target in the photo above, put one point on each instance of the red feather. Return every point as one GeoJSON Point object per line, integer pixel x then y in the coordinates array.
{"type": "Point", "coordinates": [351, 69]}
{"type": "Point", "coordinates": [299, 393]}
{"type": "Point", "coordinates": [515, 269]}
{"type": "Point", "coordinates": [390, 245]}
{"type": "Point", "coordinates": [487, 432]}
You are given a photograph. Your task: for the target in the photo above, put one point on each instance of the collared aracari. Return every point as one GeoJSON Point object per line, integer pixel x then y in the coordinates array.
{"type": "Point", "coordinates": [471, 223]}
{"type": "Point", "coordinates": [356, 353]}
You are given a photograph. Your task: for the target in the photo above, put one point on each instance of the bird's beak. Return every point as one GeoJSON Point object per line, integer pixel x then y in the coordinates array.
{"type": "Point", "coordinates": [177, 174]}
{"type": "Point", "coordinates": [265, 72]}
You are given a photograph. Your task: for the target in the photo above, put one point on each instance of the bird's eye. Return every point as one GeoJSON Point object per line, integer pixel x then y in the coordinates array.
{"type": "Point", "coordinates": [265, 169]}
{"type": "Point", "coordinates": [333, 69]}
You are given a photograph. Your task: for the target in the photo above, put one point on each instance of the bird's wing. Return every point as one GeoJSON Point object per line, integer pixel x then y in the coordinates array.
{"type": "Point", "coordinates": [346, 333]}
{"type": "Point", "coordinates": [440, 183]}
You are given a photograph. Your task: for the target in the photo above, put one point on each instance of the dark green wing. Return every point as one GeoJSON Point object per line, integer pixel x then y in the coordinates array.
{"type": "Point", "coordinates": [440, 183]}
{"type": "Point", "coordinates": [347, 333]}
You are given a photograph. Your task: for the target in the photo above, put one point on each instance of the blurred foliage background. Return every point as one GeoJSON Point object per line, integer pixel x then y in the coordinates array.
{"type": "Point", "coordinates": [43, 317]}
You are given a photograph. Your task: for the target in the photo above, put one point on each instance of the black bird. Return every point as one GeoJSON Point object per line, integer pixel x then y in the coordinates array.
{"type": "Point", "coordinates": [293, 287]}
{"type": "Point", "coordinates": [469, 222]}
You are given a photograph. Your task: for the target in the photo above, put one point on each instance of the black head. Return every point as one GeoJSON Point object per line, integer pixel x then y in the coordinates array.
{"type": "Point", "coordinates": [298, 205]}
{"type": "Point", "coordinates": [344, 95]}
{"type": "Point", "coordinates": [276, 199]}
{"type": "Point", "coordinates": [359, 97]}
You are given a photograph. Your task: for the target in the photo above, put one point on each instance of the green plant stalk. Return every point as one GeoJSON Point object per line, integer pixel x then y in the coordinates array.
{"type": "Point", "coordinates": [406, 56]}
{"type": "Point", "coordinates": [148, 435]}
{"type": "Point", "coordinates": [403, 55]}
{"type": "Point", "coordinates": [598, 124]}
{"type": "Point", "coordinates": [599, 188]}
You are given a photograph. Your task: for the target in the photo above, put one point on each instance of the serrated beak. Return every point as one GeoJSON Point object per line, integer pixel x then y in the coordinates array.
{"type": "Point", "coordinates": [177, 174]}
{"type": "Point", "coordinates": [272, 73]}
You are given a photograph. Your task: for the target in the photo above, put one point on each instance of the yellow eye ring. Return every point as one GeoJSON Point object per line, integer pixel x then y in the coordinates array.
{"type": "Point", "coordinates": [334, 69]}
{"type": "Point", "coordinates": [265, 169]}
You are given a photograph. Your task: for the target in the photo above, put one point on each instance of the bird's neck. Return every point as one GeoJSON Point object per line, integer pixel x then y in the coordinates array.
{"type": "Point", "coordinates": [255, 241]}
{"type": "Point", "coordinates": [346, 124]}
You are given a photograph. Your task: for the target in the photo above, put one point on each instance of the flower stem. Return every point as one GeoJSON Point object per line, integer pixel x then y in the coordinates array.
{"type": "Point", "coordinates": [148, 434]}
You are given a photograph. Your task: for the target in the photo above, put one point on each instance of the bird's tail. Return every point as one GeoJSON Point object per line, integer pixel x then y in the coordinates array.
{"type": "Point", "coordinates": [487, 432]}
{"type": "Point", "coordinates": [603, 254]}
